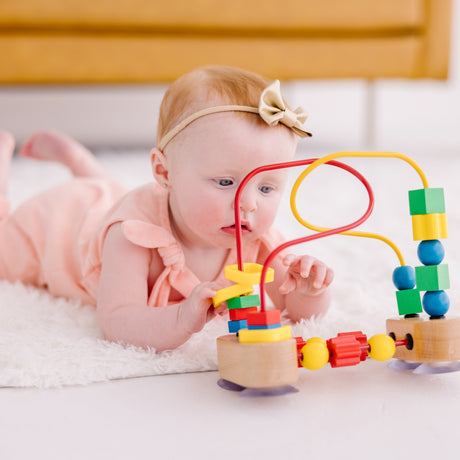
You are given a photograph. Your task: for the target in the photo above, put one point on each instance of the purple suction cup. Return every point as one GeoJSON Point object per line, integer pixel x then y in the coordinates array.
{"type": "Point", "coordinates": [227, 385]}
{"type": "Point", "coordinates": [402, 365]}
{"type": "Point", "coordinates": [273, 391]}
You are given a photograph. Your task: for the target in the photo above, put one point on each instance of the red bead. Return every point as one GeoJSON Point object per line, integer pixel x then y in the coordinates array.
{"type": "Point", "coordinates": [300, 342]}
{"type": "Point", "coordinates": [264, 318]}
{"type": "Point", "coordinates": [347, 349]}
{"type": "Point", "coordinates": [238, 314]}
{"type": "Point", "coordinates": [362, 339]}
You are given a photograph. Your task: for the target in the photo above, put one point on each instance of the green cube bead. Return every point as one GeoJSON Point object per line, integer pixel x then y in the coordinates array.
{"type": "Point", "coordinates": [245, 301]}
{"type": "Point", "coordinates": [432, 277]}
{"type": "Point", "coordinates": [409, 301]}
{"type": "Point", "coordinates": [427, 201]}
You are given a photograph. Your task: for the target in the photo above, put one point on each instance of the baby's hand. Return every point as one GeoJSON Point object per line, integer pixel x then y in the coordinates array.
{"type": "Point", "coordinates": [198, 309]}
{"type": "Point", "coordinates": [306, 275]}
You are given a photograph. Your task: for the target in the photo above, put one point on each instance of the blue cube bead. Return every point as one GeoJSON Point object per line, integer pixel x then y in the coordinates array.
{"type": "Point", "coordinates": [404, 277]}
{"type": "Point", "coordinates": [235, 326]}
{"type": "Point", "coordinates": [430, 252]}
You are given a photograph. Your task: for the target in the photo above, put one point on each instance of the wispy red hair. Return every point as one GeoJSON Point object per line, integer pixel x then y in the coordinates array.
{"type": "Point", "coordinates": [207, 87]}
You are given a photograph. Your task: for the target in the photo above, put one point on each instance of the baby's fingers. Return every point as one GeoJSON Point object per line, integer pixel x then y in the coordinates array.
{"type": "Point", "coordinates": [288, 285]}
{"type": "Point", "coordinates": [319, 278]}
{"type": "Point", "coordinates": [329, 277]}
{"type": "Point", "coordinates": [290, 259]}
{"type": "Point", "coordinates": [306, 264]}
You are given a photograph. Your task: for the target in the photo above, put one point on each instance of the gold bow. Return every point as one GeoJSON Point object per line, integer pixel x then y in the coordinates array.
{"type": "Point", "coordinates": [272, 110]}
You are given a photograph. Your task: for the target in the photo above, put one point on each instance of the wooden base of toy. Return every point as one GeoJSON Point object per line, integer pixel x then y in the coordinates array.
{"type": "Point", "coordinates": [257, 365]}
{"type": "Point", "coordinates": [434, 340]}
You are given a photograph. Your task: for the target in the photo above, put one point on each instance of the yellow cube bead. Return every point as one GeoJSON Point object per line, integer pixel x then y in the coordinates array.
{"type": "Point", "coordinates": [264, 335]}
{"type": "Point", "coordinates": [315, 354]}
{"type": "Point", "coordinates": [251, 274]}
{"type": "Point", "coordinates": [232, 291]}
{"type": "Point", "coordinates": [429, 226]}
{"type": "Point", "coordinates": [382, 347]}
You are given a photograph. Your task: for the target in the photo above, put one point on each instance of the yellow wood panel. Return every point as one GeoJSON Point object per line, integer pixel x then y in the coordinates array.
{"type": "Point", "coordinates": [217, 14]}
{"type": "Point", "coordinates": [106, 59]}
{"type": "Point", "coordinates": [436, 37]}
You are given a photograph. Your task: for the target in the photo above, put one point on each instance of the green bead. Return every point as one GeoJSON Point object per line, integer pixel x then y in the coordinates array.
{"type": "Point", "coordinates": [432, 277]}
{"type": "Point", "coordinates": [427, 201]}
{"type": "Point", "coordinates": [409, 301]}
{"type": "Point", "coordinates": [245, 301]}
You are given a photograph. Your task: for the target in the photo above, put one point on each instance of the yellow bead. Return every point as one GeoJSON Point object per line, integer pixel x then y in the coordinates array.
{"type": "Point", "coordinates": [315, 354]}
{"type": "Point", "coordinates": [264, 335]}
{"type": "Point", "coordinates": [429, 226]}
{"type": "Point", "coordinates": [229, 292]}
{"type": "Point", "coordinates": [382, 347]}
{"type": "Point", "coordinates": [250, 274]}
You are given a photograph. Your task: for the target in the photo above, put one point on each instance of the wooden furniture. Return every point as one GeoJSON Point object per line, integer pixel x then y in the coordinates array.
{"type": "Point", "coordinates": [144, 41]}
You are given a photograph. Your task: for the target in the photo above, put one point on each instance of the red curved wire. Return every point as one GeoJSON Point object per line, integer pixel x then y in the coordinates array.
{"type": "Point", "coordinates": [276, 251]}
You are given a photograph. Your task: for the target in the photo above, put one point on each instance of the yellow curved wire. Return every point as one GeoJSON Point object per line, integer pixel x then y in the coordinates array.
{"type": "Point", "coordinates": [334, 156]}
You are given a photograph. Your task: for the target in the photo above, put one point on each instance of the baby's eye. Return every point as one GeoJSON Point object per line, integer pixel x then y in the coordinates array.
{"type": "Point", "coordinates": [224, 182]}
{"type": "Point", "coordinates": [265, 189]}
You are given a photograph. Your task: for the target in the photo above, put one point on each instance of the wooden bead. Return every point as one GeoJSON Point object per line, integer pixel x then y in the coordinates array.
{"type": "Point", "coordinates": [244, 301]}
{"type": "Point", "coordinates": [251, 274]}
{"type": "Point", "coordinates": [382, 347]}
{"type": "Point", "coordinates": [404, 277]}
{"type": "Point", "coordinates": [430, 252]}
{"type": "Point", "coordinates": [315, 354]}
{"type": "Point", "coordinates": [229, 292]}
{"type": "Point", "coordinates": [265, 335]}
{"type": "Point", "coordinates": [435, 303]}
{"type": "Point", "coordinates": [262, 318]}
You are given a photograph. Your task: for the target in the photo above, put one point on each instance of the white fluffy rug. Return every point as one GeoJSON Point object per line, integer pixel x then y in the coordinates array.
{"type": "Point", "coordinates": [48, 342]}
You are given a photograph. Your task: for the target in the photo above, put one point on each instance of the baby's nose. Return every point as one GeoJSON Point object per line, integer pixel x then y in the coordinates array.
{"type": "Point", "coordinates": [248, 202]}
{"type": "Point", "coordinates": [248, 199]}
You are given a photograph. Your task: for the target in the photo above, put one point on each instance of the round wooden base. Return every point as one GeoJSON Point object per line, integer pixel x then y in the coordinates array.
{"type": "Point", "coordinates": [433, 340]}
{"type": "Point", "coordinates": [257, 365]}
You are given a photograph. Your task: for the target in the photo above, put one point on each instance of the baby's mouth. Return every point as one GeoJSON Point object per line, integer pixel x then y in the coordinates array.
{"type": "Point", "coordinates": [245, 228]}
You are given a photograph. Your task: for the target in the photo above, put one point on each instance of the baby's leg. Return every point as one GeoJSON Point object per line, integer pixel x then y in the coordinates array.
{"type": "Point", "coordinates": [52, 146]}
{"type": "Point", "coordinates": [6, 152]}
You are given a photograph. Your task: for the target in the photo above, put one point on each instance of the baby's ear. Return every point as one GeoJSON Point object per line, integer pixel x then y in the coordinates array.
{"type": "Point", "coordinates": [159, 166]}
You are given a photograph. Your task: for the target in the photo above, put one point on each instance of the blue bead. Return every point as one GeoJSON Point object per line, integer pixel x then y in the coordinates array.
{"type": "Point", "coordinates": [265, 326]}
{"type": "Point", "coordinates": [435, 303]}
{"type": "Point", "coordinates": [235, 326]}
{"type": "Point", "coordinates": [404, 277]}
{"type": "Point", "coordinates": [430, 252]}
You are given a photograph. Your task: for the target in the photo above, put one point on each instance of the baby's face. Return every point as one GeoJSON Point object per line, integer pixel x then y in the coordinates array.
{"type": "Point", "coordinates": [206, 167]}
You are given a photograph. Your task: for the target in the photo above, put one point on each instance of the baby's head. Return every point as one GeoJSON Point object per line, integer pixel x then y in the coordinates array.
{"type": "Point", "coordinates": [209, 87]}
{"type": "Point", "coordinates": [216, 125]}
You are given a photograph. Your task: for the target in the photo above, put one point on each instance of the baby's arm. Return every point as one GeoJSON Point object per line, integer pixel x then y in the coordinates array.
{"type": "Point", "coordinates": [123, 313]}
{"type": "Point", "coordinates": [300, 286]}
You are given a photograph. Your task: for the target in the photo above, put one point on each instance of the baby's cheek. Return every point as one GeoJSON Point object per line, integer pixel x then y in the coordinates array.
{"type": "Point", "coordinates": [267, 216]}
{"type": "Point", "coordinates": [206, 213]}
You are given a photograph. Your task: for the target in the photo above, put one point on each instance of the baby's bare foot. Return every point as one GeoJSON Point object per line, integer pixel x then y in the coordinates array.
{"type": "Point", "coordinates": [53, 146]}
{"type": "Point", "coordinates": [6, 152]}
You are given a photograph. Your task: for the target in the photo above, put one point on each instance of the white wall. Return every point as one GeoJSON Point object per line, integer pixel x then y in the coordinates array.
{"type": "Point", "coordinates": [408, 114]}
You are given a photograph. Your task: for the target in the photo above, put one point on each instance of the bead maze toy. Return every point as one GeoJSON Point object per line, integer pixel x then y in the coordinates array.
{"type": "Point", "coordinates": [261, 353]}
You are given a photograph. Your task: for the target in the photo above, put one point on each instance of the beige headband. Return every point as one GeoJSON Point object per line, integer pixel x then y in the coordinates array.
{"type": "Point", "coordinates": [271, 109]}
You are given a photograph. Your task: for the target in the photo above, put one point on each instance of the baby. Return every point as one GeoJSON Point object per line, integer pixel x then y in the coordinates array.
{"type": "Point", "coordinates": [152, 258]}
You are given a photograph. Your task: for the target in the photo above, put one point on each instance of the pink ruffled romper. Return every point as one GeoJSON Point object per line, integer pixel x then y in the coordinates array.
{"type": "Point", "coordinates": [55, 239]}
